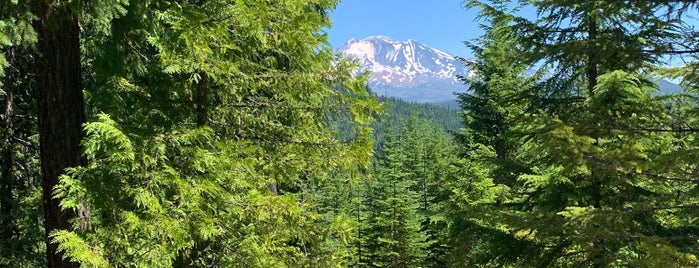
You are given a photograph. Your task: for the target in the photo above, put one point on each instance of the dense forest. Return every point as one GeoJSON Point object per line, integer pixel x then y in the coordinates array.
{"type": "Point", "coordinates": [222, 133]}
{"type": "Point", "coordinates": [397, 114]}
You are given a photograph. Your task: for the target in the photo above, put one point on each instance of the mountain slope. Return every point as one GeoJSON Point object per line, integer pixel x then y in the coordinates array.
{"type": "Point", "coordinates": [408, 69]}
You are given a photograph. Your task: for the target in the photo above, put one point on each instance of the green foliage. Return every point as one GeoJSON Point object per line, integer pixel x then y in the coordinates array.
{"type": "Point", "coordinates": [78, 249]}
{"type": "Point", "coordinates": [20, 195]}
{"type": "Point", "coordinates": [574, 170]}
{"type": "Point", "coordinates": [392, 237]}
{"type": "Point", "coordinates": [339, 199]}
{"type": "Point", "coordinates": [430, 161]}
{"type": "Point", "coordinates": [399, 114]}
{"type": "Point", "coordinates": [401, 210]}
{"type": "Point", "coordinates": [15, 31]}
{"type": "Point", "coordinates": [209, 129]}
{"type": "Point", "coordinates": [229, 133]}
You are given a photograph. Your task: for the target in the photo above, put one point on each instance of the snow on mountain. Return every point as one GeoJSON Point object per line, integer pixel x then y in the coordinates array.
{"type": "Point", "coordinates": [407, 69]}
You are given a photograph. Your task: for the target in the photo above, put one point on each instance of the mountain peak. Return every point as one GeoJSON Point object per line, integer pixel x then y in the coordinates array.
{"type": "Point", "coordinates": [405, 65]}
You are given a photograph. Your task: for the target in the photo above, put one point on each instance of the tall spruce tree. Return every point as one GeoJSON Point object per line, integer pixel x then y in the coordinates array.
{"type": "Point", "coordinates": [489, 168]}
{"type": "Point", "coordinates": [340, 200]}
{"type": "Point", "coordinates": [429, 162]}
{"type": "Point", "coordinates": [403, 223]}
{"type": "Point", "coordinates": [393, 236]}
{"type": "Point", "coordinates": [590, 190]}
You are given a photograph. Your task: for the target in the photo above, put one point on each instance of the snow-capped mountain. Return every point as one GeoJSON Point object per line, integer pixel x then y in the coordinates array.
{"type": "Point", "coordinates": [407, 69]}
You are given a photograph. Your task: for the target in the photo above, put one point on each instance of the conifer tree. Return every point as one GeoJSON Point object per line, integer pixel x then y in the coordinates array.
{"type": "Point", "coordinates": [61, 112]}
{"type": "Point", "coordinates": [20, 184]}
{"type": "Point", "coordinates": [228, 106]}
{"type": "Point", "coordinates": [588, 190]}
{"type": "Point", "coordinates": [402, 221]}
{"type": "Point", "coordinates": [489, 168]}
{"type": "Point", "coordinates": [428, 163]}
{"type": "Point", "coordinates": [393, 237]}
{"type": "Point", "coordinates": [340, 200]}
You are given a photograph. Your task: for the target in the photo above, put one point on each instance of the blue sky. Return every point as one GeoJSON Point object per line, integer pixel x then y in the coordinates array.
{"type": "Point", "coordinates": [442, 24]}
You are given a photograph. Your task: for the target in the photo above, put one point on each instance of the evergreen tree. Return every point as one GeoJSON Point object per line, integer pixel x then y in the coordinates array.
{"type": "Point", "coordinates": [403, 223]}
{"type": "Point", "coordinates": [204, 116]}
{"type": "Point", "coordinates": [489, 168]}
{"type": "Point", "coordinates": [60, 112]}
{"type": "Point", "coordinates": [429, 164]}
{"type": "Point", "coordinates": [340, 200]}
{"type": "Point", "coordinates": [393, 237]}
{"type": "Point", "coordinates": [20, 182]}
{"type": "Point", "coordinates": [399, 113]}
{"type": "Point", "coordinates": [586, 188]}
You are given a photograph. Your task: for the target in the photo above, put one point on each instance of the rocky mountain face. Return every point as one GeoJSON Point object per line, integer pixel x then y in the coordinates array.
{"type": "Point", "coordinates": [408, 69]}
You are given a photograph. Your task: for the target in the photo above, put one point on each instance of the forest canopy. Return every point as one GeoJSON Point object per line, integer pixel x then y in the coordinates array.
{"type": "Point", "coordinates": [227, 133]}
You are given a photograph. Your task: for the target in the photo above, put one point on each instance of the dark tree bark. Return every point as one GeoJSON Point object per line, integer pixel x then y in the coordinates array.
{"type": "Point", "coordinates": [61, 110]}
{"type": "Point", "coordinates": [592, 58]}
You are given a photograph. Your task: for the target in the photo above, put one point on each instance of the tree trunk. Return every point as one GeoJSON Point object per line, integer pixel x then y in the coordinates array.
{"type": "Point", "coordinates": [598, 259]}
{"type": "Point", "coordinates": [592, 56]}
{"type": "Point", "coordinates": [61, 110]}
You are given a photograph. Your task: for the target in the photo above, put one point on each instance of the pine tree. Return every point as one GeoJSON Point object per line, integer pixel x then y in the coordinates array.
{"type": "Point", "coordinates": [399, 113]}
{"type": "Point", "coordinates": [402, 219]}
{"type": "Point", "coordinates": [60, 112]}
{"type": "Point", "coordinates": [339, 199]}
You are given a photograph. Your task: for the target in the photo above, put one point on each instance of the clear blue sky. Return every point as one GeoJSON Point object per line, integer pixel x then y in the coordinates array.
{"type": "Point", "coordinates": [442, 24]}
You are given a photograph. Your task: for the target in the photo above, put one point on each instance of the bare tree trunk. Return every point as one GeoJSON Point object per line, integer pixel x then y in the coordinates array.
{"type": "Point", "coordinates": [61, 110]}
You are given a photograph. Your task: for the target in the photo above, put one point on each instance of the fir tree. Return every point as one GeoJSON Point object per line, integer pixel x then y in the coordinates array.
{"type": "Point", "coordinates": [393, 237]}
{"type": "Point", "coordinates": [588, 188]}
{"type": "Point", "coordinates": [429, 159]}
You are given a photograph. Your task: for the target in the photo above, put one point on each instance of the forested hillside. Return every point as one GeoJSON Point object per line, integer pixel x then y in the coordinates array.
{"type": "Point", "coordinates": [398, 114]}
{"type": "Point", "coordinates": [229, 133]}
